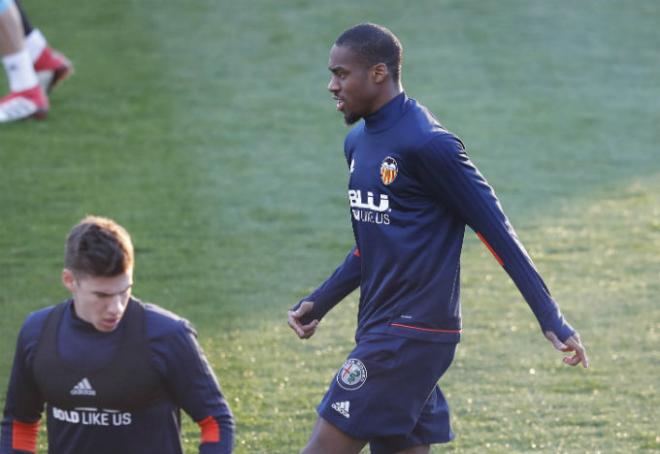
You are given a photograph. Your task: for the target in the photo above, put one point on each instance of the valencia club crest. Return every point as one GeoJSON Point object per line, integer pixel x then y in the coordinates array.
{"type": "Point", "coordinates": [388, 170]}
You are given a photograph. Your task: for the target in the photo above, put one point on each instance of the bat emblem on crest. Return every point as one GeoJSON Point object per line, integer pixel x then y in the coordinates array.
{"type": "Point", "coordinates": [388, 170]}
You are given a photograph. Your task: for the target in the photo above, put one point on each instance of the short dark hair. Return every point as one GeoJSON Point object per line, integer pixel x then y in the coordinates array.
{"type": "Point", "coordinates": [98, 247]}
{"type": "Point", "coordinates": [375, 44]}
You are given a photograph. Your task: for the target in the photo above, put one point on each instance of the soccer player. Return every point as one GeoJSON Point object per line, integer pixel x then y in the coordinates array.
{"type": "Point", "coordinates": [412, 190]}
{"type": "Point", "coordinates": [112, 372]}
{"type": "Point", "coordinates": [33, 68]}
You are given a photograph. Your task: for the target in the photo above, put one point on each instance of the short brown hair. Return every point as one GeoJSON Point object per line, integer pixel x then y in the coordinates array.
{"type": "Point", "coordinates": [98, 246]}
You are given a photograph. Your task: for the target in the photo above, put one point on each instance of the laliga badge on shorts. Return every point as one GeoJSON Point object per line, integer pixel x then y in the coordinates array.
{"type": "Point", "coordinates": [352, 375]}
{"type": "Point", "coordinates": [388, 170]}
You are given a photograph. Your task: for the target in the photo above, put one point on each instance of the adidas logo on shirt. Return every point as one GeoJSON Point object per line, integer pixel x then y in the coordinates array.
{"type": "Point", "coordinates": [342, 408]}
{"type": "Point", "coordinates": [83, 388]}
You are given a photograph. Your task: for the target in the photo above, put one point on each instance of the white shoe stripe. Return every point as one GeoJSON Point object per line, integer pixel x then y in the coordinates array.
{"type": "Point", "coordinates": [16, 109]}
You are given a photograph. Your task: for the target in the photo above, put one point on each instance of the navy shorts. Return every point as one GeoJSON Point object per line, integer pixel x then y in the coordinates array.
{"type": "Point", "coordinates": [387, 393]}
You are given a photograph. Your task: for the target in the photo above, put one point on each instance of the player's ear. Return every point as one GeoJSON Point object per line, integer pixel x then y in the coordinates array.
{"type": "Point", "coordinates": [379, 73]}
{"type": "Point", "coordinates": [68, 279]}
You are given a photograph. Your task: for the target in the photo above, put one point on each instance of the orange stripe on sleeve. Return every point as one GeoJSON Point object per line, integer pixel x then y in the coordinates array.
{"type": "Point", "coordinates": [356, 252]}
{"type": "Point", "coordinates": [490, 248]}
{"type": "Point", "coordinates": [210, 430]}
{"type": "Point", "coordinates": [24, 435]}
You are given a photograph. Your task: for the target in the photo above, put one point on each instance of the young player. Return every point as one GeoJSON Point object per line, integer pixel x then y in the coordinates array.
{"type": "Point", "coordinates": [412, 190]}
{"type": "Point", "coordinates": [112, 372]}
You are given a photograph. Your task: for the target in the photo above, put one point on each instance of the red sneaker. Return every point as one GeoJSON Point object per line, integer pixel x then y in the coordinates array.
{"type": "Point", "coordinates": [52, 68]}
{"type": "Point", "coordinates": [31, 103]}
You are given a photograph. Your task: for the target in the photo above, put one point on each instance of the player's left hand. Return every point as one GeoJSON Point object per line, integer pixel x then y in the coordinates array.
{"type": "Point", "coordinates": [572, 344]}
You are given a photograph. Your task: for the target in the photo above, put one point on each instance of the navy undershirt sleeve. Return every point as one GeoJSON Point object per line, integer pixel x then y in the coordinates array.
{"type": "Point", "coordinates": [193, 385]}
{"type": "Point", "coordinates": [24, 403]}
{"type": "Point", "coordinates": [445, 170]}
{"type": "Point", "coordinates": [343, 281]}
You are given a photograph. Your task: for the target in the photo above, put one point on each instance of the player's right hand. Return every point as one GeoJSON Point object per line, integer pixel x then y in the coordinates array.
{"type": "Point", "coordinates": [303, 331]}
{"type": "Point", "coordinates": [572, 344]}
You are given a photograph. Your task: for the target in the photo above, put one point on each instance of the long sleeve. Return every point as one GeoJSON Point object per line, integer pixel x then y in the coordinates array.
{"type": "Point", "coordinates": [447, 172]}
{"type": "Point", "coordinates": [194, 387]}
{"type": "Point", "coordinates": [343, 281]}
{"type": "Point", "coordinates": [23, 406]}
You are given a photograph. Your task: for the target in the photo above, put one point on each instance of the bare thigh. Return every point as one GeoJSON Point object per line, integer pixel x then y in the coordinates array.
{"type": "Point", "coordinates": [423, 449]}
{"type": "Point", "coordinates": [327, 439]}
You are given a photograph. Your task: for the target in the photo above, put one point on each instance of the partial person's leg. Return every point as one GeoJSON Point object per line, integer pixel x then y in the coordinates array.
{"type": "Point", "coordinates": [432, 420]}
{"type": "Point", "coordinates": [423, 449]}
{"type": "Point", "coordinates": [26, 98]}
{"type": "Point", "coordinates": [27, 25]}
{"type": "Point", "coordinates": [327, 439]}
{"type": "Point", "coordinates": [52, 67]}
{"type": "Point", "coordinates": [11, 31]}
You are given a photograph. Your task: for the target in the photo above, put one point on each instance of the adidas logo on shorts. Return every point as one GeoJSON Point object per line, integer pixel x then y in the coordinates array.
{"type": "Point", "coordinates": [342, 408]}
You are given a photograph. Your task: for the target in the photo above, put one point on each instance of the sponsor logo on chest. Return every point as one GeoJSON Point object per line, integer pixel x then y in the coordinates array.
{"type": "Point", "coordinates": [90, 416]}
{"type": "Point", "coordinates": [370, 206]}
{"type": "Point", "coordinates": [367, 207]}
{"type": "Point", "coordinates": [93, 417]}
{"type": "Point", "coordinates": [367, 201]}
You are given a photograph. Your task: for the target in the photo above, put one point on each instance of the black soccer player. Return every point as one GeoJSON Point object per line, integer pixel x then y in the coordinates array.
{"type": "Point", "coordinates": [112, 372]}
{"type": "Point", "coordinates": [412, 190]}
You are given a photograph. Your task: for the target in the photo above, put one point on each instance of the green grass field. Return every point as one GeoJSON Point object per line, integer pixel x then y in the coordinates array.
{"type": "Point", "coordinates": [206, 129]}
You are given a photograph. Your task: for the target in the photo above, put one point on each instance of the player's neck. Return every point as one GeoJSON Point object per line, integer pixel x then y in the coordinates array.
{"type": "Point", "coordinates": [391, 92]}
